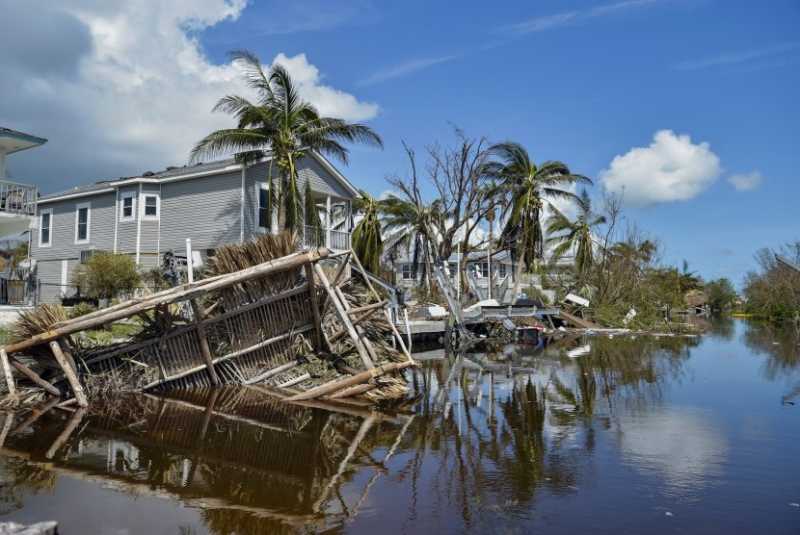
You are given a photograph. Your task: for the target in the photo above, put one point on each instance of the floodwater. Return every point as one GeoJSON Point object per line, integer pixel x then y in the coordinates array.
{"type": "Point", "coordinates": [604, 435]}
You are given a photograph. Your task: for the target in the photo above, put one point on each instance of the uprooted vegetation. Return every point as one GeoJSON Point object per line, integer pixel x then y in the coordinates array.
{"type": "Point", "coordinates": [263, 314]}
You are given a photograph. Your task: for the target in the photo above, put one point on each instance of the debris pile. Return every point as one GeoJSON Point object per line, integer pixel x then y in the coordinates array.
{"type": "Point", "coordinates": [294, 321]}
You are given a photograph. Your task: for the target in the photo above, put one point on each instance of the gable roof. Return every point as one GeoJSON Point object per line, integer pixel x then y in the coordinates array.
{"type": "Point", "coordinates": [182, 173]}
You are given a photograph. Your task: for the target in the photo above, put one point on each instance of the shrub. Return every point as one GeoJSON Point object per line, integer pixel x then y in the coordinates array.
{"type": "Point", "coordinates": [81, 309]}
{"type": "Point", "coordinates": [106, 275]}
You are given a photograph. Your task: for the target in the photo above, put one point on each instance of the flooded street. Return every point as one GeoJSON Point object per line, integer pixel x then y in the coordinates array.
{"type": "Point", "coordinates": [609, 435]}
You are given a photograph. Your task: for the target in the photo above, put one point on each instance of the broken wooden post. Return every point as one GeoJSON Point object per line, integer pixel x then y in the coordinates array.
{"type": "Point", "coordinates": [334, 386]}
{"type": "Point", "coordinates": [33, 376]}
{"type": "Point", "coordinates": [344, 318]}
{"type": "Point", "coordinates": [406, 351]}
{"type": "Point", "coordinates": [312, 293]}
{"type": "Point", "coordinates": [69, 373]}
{"type": "Point", "coordinates": [205, 350]}
{"type": "Point", "coordinates": [12, 390]}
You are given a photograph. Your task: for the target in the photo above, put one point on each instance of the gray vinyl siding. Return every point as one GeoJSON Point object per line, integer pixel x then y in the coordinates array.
{"type": "Point", "coordinates": [309, 170]}
{"type": "Point", "coordinates": [149, 242]}
{"type": "Point", "coordinates": [204, 209]}
{"type": "Point", "coordinates": [101, 228]}
{"type": "Point", "coordinates": [126, 230]}
{"type": "Point", "coordinates": [49, 276]}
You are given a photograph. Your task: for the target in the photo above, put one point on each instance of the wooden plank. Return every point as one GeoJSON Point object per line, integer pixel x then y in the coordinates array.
{"type": "Point", "coordinates": [336, 385]}
{"type": "Point", "coordinates": [312, 294]}
{"type": "Point", "coordinates": [396, 333]}
{"type": "Point", "coordinates": [205, 351]}
{"type": "Point", "coordinates": [12, 389]}
{"type": "Point", "coordinates": [344, 318]}
{"type": "Point", "coordinates": [69, 373]}
{"type": "Point", "coordinates": [33, 376]}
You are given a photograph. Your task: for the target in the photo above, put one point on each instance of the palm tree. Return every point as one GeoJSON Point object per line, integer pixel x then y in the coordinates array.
{"type": "Point", "coordinates": [576, 235]}
{"type": "Point", "coordinates": [529, 188]}
{"type": "Point", "coordinates": [281, 124]}
{"type": "Point", "coordinates": [367, 239]}
{"type": "Point", "coordinates": [413, 224]}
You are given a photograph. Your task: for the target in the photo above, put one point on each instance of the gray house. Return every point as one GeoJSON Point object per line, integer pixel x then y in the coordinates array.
{"type": "Point", "coordinates": [213, 204]}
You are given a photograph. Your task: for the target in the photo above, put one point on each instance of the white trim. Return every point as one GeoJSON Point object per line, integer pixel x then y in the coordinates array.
{"type": "Point", "coordinates": [48, 211]}
{"type": "Point", "coordinates": [327, 165]}
{"type": "Point", "coordinates": [78, 207]}
{"type": "Point", "coordinates": [116, 219]}
{"type": "Point", "coordinates": [138, 230]}
{"type": "Point", "coordinates": [158, 234]}
{"type": "Point", "coordinates": [241, 208]}
{"type": "Point", "coordinates": [127, 195]}
{"type": "Point", "coordinates": [75, 195]}
{"type": "Point", "coordinates": [143, 204]}
{"type": "Point", "coordinates": [260, 186]}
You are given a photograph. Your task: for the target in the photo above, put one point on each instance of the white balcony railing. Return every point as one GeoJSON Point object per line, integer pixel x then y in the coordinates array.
{"type": "Point", "coordinates": [17, 198]}
{"type": "Point", "coordinates": [320, 237]}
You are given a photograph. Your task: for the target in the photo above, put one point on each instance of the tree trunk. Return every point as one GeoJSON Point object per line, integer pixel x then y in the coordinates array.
{"type": "Point", "coordinates": [518, 275]}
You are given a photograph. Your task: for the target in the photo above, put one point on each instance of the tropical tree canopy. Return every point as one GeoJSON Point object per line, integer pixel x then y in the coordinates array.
{"type": "Point", "coordinates": [278, 123]}
{"type": "Point", "coordinates": [367, 240]}
{"type": "Point", "coordinates": [529, 187]}
{"type": "Point", "coordinates": [413, 224]}
{"type": "Point", "coordinates": [566, 235]}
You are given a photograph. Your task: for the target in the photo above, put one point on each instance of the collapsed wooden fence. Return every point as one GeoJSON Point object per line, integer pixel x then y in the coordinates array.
{"type": "Point", "coordinates": [256, 339]}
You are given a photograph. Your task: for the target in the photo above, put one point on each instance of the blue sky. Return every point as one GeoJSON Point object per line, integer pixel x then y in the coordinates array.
{"type": "Point", "coordinates": [579, 81]}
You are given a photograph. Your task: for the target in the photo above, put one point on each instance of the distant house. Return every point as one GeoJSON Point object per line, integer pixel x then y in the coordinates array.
{"type": "Point", "coordinates": [213, 204]}
{"type": "Point", "coordinates": [477, 272]}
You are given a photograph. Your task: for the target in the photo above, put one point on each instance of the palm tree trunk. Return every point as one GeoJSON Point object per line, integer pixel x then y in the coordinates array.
{"type": "Point", "coordinates": [518, 274]}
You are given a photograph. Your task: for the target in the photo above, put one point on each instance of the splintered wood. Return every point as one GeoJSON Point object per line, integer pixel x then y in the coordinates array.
{"type": "Point", "coordinates": [239, 329]}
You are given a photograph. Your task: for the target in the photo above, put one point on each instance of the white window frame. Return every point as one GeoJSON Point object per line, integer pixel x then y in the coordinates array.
{"type": "Point", "coordinates": [407, 266]}
{"type": "Point", "coordinates": [48, 211]}
{"type": "Point", "coordinates": [143, 207]}
{"type": "Point", "coordinates": [259, 187]}
{"type": "Point", "coordinates": [127, 195]}
{"type": "Point", "coordinates": [78, 207]}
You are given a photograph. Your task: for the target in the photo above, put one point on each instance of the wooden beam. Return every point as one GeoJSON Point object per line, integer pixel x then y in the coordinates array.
{"type": "Point", "coordinates": [69, 373]}
{"type": "Point", "coordinates": [396, 333]}
{"type": "Point", "coordinates": [33, 376]}
{"type": "Point", "coordinates": [73, 422]}
{"type": "Point", "coordinates": [344, 318]}
{"type": "Point", "coordinates": [363, 377]}
{"type": "Point", "coordinates": [205, 351]}
{"type": "Point", "coordinates": [312, 294]}
{"type": "Point", "coordinates": [12, 390]}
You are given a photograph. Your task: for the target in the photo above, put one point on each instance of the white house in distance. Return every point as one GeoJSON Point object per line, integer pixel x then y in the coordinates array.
{"type": "Point", "coordinates": [17, 201]}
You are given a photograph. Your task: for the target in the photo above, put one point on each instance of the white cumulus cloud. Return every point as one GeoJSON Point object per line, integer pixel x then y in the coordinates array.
{"type": "Point", "coordinates": [122, 87]}
{"type": "Point", "coordinates": [746, 181]}
{"type": "Point", "coordinates": [671, 168]}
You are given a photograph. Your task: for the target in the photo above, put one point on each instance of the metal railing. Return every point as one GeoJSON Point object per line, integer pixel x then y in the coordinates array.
{"type": "Point", "coordinates": [339, 240]}
{"type": "Point", "coordinates": [313, 236]}
{"type": "Point", "coordinates": [17, 198]}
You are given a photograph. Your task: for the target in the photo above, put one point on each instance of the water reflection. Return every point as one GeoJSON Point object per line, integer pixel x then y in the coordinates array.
{"type": "Point", "coordinates": [490, 441]}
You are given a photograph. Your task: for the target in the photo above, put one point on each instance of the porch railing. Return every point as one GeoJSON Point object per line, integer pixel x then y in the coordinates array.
{"type": "Point", "coordinates": [17, 198]}
{"type": "Point", "coordinates": [339, 240]}
{"type": "Point", "coordinates": [318, 237]}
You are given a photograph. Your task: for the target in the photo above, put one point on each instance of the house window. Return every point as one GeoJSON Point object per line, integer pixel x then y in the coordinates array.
{"type": "Point", "coordinates": [452, 267]}
{"type": "Point", "coordinates": [45, 227]}
{"type": "Point", "coordinates": [82, 222]}
{"type": "Point", "coordinates": [150, 206]}
{"type": "Point", "coordinates": [263, 216]}
{"type": "Point", "coordinates": [502, 270]}
{"type": "Point", "coordinates": [483, 269]}
{"type": "Point", "coordinates": [128, 207]}
{"type": "Point", "coordinates": [407, 272]}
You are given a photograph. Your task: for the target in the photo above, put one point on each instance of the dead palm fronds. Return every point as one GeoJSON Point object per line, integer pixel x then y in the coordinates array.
{"type": "Point", "coordinates": [265, 248]}
{"type": "Point", "coordinates": [37, 321]}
